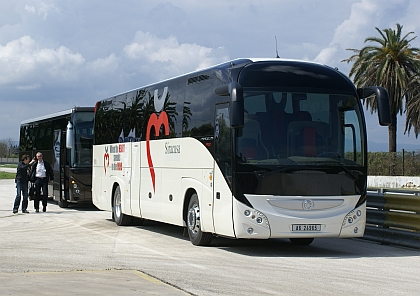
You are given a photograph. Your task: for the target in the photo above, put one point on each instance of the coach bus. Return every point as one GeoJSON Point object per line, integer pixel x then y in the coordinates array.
{"type": "Point", "coordinates": [248, 149]}
{"type": "Point", "coordinates": [65, 139]}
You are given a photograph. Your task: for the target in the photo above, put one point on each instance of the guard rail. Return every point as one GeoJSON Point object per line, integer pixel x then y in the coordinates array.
{"type": "Point", "coordinates": [393, 217]}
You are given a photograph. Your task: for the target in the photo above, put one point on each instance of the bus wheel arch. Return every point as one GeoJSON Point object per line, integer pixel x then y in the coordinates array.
{"type": "Point", "coordinates": [196, 235]}
{"type": "Point", "coordinates": [117, 214]}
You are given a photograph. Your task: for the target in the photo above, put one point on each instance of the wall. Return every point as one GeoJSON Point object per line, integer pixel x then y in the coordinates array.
{"type": "Point", "coordinates": [9, 160]}
{"type": "Point", "coordinates": [393, 182]}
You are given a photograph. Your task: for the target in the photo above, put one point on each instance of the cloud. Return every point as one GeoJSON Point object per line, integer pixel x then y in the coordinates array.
{"type": "Point", "coordinates": [42, 9]}
{"type": "Point", "coordinates": [175, 58]}
{"type": "Point", "coordinates": [365, 15]}
{"type": "Point", "coordinates": [22, 60]}
{"type": "Point", "coordinates": [348, 31]}
{"type": "Point", "coordinates": [98, 66]}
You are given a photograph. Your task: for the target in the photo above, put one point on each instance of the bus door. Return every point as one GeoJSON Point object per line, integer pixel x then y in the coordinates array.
{"type": "Point", "coordinates": [58, 165]}
{"type": "Point", "coordinates": [222, 193]}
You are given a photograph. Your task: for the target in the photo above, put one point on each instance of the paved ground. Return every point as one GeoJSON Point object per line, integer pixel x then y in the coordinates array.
{"type": "Point", "coordinates": [27, 281]}
{"type": "Point", "coordinates": [10, 170]}
{"type": "Point", "coordinates": [80, 251]}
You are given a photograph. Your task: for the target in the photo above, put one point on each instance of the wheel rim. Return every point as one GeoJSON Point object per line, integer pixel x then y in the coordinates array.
{"type": "Point", "coordinates": [117, 203]}
{"type": "Point", "coordinates": [194, 219]}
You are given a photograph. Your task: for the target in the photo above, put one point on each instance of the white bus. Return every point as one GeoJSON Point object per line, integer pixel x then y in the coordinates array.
{"type": "Point", "coordinates": [251, 149]}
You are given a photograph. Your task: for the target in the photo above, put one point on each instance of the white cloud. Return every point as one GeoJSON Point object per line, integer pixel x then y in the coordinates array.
{"type": "Point", "coordinates": [351, 31]}
{"type": "Point", "coordinates": [22, 60]}
{"type": "Point", "coordinates": [42, 9]}
{"type": "Point", "coordinates": [365, 15]}
{"type": "Point", "coordinates": [29, 8]}
{"type": "Point", "coordinates": [98, 66]}
{"type": "Point", "coordinates": [175, 58]}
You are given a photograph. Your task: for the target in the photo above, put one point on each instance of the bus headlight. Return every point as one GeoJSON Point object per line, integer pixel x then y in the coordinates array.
{"type": "Point", "coordinates": [76, 188]}
{"type": "Point", "coordinates": [256, 217]}
{"type": "Point", "coordinates": [352, 218]}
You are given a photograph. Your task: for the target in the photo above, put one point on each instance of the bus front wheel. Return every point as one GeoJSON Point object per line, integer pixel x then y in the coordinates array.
{"type": "Point", "coordinates": [301, 241]}
{"type": "Point", "coordinates": [117, 214]}
{"type": "Point", "coordinates": [197, 237]}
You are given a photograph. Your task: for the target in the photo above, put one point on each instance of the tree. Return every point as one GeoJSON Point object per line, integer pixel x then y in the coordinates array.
{"type": "Point", "coordinates": [391, 63]}
{"type": "Point", "coordinates": [413, 107]}
{"type": "Point", "coordinates": [8, 148]}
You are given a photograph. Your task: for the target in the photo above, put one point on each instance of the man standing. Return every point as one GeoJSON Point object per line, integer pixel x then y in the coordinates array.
{"type": "Point", "coordinates": [21, 181]}
{"type": "Point", "coordinates": [42, 173]}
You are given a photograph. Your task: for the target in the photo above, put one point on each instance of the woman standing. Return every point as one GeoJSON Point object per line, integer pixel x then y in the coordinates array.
{"type": "Point", "coordinates": [21, 181]}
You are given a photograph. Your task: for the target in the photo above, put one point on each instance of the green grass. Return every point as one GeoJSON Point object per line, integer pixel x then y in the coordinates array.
{"type": "Point", "coordinates": [8, 166]}
{"type": "Point", "coordinates": [6, 175]}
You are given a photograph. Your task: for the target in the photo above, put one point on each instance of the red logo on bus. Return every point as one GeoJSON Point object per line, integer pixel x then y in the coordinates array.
{"type": "Point", "coordinates": [156, 120]}
{"type": "Point", "coordinates": [106, 159]}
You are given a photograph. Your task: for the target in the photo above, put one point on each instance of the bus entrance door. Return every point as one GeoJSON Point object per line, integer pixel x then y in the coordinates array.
{"type": "Point", "coordinates": [222, 194]}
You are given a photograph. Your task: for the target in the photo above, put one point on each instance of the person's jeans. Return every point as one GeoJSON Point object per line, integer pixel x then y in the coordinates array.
{"type": "Point", "coordinates": [21, 189]}
{"type": "Point", "coordinates": [41, 183]}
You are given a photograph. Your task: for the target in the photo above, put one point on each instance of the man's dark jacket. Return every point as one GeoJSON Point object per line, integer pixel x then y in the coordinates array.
{"type": "Point", "coordinates": [48, 168]}
{"type": "Point", "coordinates": [22, 172]}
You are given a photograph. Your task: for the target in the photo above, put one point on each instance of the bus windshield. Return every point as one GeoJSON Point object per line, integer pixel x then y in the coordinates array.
{"type": "Point", "coordinates": [297, 128]}
{"type": "Point", "coordinates": [81, 154]}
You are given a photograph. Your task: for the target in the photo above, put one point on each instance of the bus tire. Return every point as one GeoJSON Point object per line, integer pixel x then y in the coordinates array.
{"type": "Point", "coordinates": [197, 237]}
{"type": "Point", "coordinates": [301, 241]}
{"type": "Point", "coordinates": [62, 203]}
{"type": "Point", "coordinates": [119, 218]}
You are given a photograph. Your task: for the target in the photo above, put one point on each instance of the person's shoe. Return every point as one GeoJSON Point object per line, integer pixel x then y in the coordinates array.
{"type": "Point", "coordinates": [44, 209]}
{"type": "Point", "coordinates": [25, 212]}
{"type": "Point", "coordinates": [15, 211]}
{"type": "Point", "coordinates": [37, 210]}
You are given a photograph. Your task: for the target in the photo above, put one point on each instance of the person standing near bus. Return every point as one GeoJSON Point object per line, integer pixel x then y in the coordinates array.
{"type": "Point", "coordinates": [42, 173]}
{"type": "Point", "coordinates": [21, 181]}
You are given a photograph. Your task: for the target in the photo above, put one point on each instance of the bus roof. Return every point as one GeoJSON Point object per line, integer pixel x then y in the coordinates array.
{"type": "Point", "coordinates": [221, 65]}
{"type": "Point", "coordinates": [57, 114]}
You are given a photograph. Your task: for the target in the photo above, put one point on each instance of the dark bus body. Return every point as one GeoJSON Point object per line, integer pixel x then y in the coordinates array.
{"type": "Point", "coordinates": [72, 167]}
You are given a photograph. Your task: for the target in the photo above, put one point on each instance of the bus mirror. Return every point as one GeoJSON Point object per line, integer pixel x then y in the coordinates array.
{"type": "Point", "coordinates": [382, 99]}
{"type": "Point", "coordinates": [234, 90]}
{"type": "Point", "coordinates": [69, 136]}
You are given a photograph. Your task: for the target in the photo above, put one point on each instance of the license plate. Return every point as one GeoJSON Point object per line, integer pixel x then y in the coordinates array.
{"type": "Point", "coordinates": [306, 227]}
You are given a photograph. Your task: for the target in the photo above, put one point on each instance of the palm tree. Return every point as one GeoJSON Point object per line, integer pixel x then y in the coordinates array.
{"type": "Point", "coordinates": [413, 107]}
{"type": "Point", "coordinates": [392, 64]}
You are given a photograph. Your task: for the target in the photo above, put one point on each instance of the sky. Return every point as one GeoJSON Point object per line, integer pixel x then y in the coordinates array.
{"type": "Point", "coordinates": [58, 54]}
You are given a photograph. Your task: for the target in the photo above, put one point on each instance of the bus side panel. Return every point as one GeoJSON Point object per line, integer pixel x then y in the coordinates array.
{"type": "Point", "coordinates": [108, 170]}
{"type": "Point", "coordinates": [101, 199]}
{"type": "Point", "coordinates": [172, 197]}
{"type": "Point", "coordinates": [222, 205]}
{"type": "Point", "coordinates": [173, 160]}
{"type": "Point", "coordinates": [122, 160]}
{"type": "Point", "coordinates": [149, 192]}
{"type": "Point", "coordinates": [135, 179]}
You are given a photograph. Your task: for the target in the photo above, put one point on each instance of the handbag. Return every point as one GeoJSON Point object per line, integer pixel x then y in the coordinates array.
{"type": "Point", "coordinates": [31, 193]}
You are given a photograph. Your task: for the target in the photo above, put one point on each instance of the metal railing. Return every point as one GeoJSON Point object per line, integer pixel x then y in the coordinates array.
{"type": "Point", "coordinates": [393, 217]}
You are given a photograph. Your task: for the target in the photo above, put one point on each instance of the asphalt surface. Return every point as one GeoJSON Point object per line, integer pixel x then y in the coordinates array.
{"type": "Point", "coordinates": [81, 251]}
{"type": "Point", "coordinates": [24, 281]}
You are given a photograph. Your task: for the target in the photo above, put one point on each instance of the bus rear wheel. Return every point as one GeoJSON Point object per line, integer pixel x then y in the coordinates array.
{"type": "Point", "coordinates": [117, 214]}
{"type": "Point", "coordinates": [301, 241]}
{"type": "Point", "coordinates": [197, 237]}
